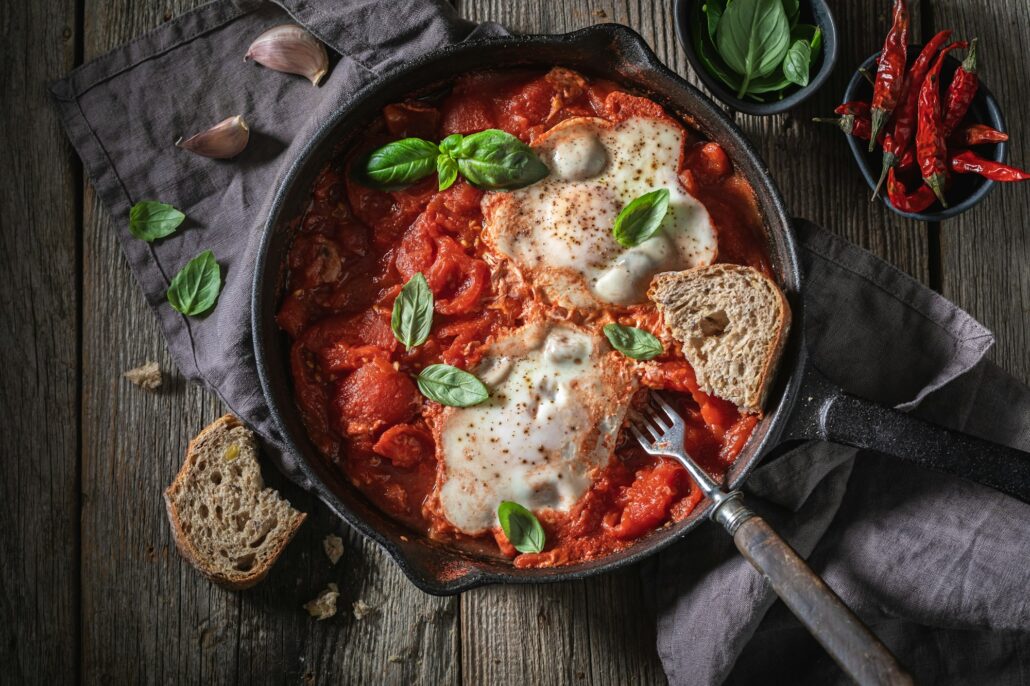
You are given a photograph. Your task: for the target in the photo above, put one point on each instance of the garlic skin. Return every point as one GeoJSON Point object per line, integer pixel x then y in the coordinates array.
{"type": "Point", "coordinates": [225, 139]}
{"type": "Point", "coordinates": [289, 48]}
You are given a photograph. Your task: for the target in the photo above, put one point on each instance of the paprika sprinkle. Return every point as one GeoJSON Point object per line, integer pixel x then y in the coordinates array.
{"type": "Point", "coordinates": [890, 74]}
{"type": "Point", "coordinates": [961, 91]}
{"type": "Point", "coordinates": [905, 115]}
{"type": "Point", "coordinates": [977, 134]}
{"type": "Point", "coordinates": [931, 150]}
{"type": "Point", "coordinates": [968, 162]}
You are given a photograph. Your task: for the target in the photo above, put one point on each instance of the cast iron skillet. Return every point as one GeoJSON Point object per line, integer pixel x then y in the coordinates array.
{"type": "Point", "coordinates": [802, 403]}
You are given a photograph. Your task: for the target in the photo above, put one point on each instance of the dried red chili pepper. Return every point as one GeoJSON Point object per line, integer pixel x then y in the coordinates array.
{"type": "Point", "coordinates": [852, 124]}
{"type": "Point", "coordinates": [890, 74]}
{"type": "Point", "coordinates": [977, 134]}
{"type": "Point", "coordinates": [968, 162]}
{"type": "Point", "coordinates": [931, 151]}
{"type": "Point", "coordinates": [905, 114]}
{"type": "Point", "coordinates": [855, 107]}
{"type": "Point", "coordinates": [902, 200]}
{"type": "Point", "coordinates": [961, 91]}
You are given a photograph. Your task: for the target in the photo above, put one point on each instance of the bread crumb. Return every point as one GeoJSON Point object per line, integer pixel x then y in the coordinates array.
{"type": "Point", "coordinates": [324, 606]}
{"type": "Point", "coordinates": [395, 658]}
{"type": "Point", "coordinates": [600, 14]}
{"type": "Point", "coordinates": [362, 609]}
{"type": "Point", "coordinates": [333, 546]}
{"type": "Point", "coordinates": [147, 376]}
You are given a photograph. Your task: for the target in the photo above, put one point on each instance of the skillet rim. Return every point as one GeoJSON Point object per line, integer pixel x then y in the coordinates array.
{"type": "Point", "coordinates": [638, 55]}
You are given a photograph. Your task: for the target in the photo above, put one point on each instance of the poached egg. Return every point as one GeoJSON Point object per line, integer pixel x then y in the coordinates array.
{"type": "Point", "coordinates": [558, 231]}
{"type": "Point", "coordinates": [558, 396]}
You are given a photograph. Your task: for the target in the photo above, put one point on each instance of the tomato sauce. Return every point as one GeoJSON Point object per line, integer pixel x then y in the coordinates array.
{"type": "Point", "coordinates": [354, 248]}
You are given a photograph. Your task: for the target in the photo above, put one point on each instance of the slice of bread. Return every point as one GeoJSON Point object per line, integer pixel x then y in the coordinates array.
{"type": "Point", "coordinates": [225, 522]}
{"type": "Point", "coordinates": [732, 322]}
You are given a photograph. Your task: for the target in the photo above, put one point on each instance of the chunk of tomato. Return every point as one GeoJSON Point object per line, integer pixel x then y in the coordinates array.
{"type": "Point", "coordinates": [405, 445]}
{"type": "Point", "coordinates": [374, 396]}
{"type": "Point", "coordinates": [648, 499]}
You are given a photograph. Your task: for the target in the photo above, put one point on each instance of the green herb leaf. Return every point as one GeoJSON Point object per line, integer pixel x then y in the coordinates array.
{"type": "Point", "coordinates": [792, 8]}
{"type": "Point", "coordinates": [401, 162]}
{"type": "Point", "coordinates": [150, 220]}
{"type": "Point", "coordinates": [521, 527]}
{"type": "Point", "coordinates": [797, 63]}
{"type": "Point", "coordinates": [446, 171]}
{"type": "Point", "coordinates": [451, 386]}
{"type": "Point", "coordinates": [497, 160]}
{"type": "Point", "coordinates": [704, 44]}
{"type": "Point", "coordinates": [412, 316]}
{"type": "Point", "coordinates": [753, 37]}
{"type": "Point", "coordinates": [642, 218]}
{"type": "Point", "coordinates": [713, 10]}
{"type": "Point", "coordinates": [195, 288]}
{"type": "Point", "coordinates": [449, 146]}
{"type": "Point", "coordinates": [633, 342]}
{"type": "Point", "coordinates": [812, 34]}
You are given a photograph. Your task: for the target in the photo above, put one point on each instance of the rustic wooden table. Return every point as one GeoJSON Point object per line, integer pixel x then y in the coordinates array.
{"type": "Point", "coordinates": [92, 589]}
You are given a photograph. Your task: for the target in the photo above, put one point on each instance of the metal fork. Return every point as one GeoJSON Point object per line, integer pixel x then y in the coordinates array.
{"type": "Point", "coordinates": [659, 430]}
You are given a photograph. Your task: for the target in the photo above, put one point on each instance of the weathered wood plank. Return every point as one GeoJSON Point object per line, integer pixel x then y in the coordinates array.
{"type": "Point", "coordinates": [39, 366]}
{"type": "Point", "coordinates": [147, 617]}
{"type": "Point", "coordinates": [985, 252]}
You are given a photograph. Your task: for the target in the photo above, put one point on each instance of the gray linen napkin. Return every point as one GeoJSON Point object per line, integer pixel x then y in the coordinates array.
{"type": "Point", "coordinates": [930, 560]}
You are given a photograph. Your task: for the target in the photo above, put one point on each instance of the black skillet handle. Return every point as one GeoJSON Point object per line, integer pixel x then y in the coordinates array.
{"type": "Point", "coordinates": [847, 640]}
{"type": "Point", "coordinates": [825, 411]}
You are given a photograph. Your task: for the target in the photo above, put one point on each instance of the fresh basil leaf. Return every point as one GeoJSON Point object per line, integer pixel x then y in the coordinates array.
{"type": "Point", "coordinates": [195, 288]}
{"type": "Point", "coordinates": [706, 51]}
{"type": "Point", "coordinates": [497, 160]}
{"type": "Point", "coordinates": [797, 63]}
{"type": "Point", "coordinates": [810, 33]}
{"type": "Point", "coordinates": [641, 218]}
{"type": "Point", "coordinates": [753, 37]}
{"type": "Point", "coordinates": [713, 10]}
{"type": "Point", "coordinates": [150, 220]}
{"type": "Point", "coordinates": [633, 342]}
{"type": "Point", "coordinates": [772, 83]}
{"type": "Point", "coordinates": [792, 8]}
{"type": "Point", "coordinates": [446, 171]}
{"type": "Point", "coordinates": [451, 386]}
{"type": "Point", "coordinates": [449, 146]}
{"type": "Point", "coordinates": [401, 162]}
{"type": "Point", "coordinates": [412, 316]}
{"type": "Point", "coordinates": [521, 527]}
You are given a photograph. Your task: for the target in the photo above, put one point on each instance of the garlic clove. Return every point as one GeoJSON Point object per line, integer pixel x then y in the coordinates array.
{"type": "Point", "coordinates": [225, 139]}
{"type": "Point", "coordinates": [291, 49]}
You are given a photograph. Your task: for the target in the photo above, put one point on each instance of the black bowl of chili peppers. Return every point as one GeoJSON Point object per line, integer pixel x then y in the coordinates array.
{"type": "Point", "coordinates": [923, 128]}
{"type": "Point", "coordinates": [978, 138]}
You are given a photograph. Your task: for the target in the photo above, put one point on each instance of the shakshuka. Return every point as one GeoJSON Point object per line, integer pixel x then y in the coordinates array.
{"type": "Point", "coordinates": [516, 281]}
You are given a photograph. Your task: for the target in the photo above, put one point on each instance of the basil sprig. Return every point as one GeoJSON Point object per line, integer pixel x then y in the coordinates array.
{"type": "Point", "coordinates": [633, 342]}
{"type": "Point", "coordinates": [496, 160]}
{"type": "Point", "coordinates": [490, 159]}
{"type": "Point", "coordinates": [412, 316]}
{"type": "Point", "coordinates": [751, 33]}
{"type": "Point", "coordinates": [451, 386]}
{"type": "Point", "coordinates": [401, 163]}
{"type": "Point", "coordinates": [150, 220]}
{"type": "Point", "coordinates": [641, 218]}
{"type": "Point", "coordinates": [195, 288]}
{"type": "Point", "coordinates": [521, 527]}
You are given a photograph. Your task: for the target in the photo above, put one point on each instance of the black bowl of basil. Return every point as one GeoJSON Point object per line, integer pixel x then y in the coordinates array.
{"type": "Point", "coordinates": [759, 56]}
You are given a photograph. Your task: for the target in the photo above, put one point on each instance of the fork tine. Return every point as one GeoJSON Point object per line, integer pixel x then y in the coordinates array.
{"type": "Point", "coordinates": [641, 438]}
{"type": "Point", "coordinates": [655, 415]}
{"type": "Point", "coordinates": [665, 407]}
{"type": "Point", "coordinates": [658, 429]}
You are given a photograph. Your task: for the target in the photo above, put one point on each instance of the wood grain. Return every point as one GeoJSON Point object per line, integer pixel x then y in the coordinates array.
{"type": "Point", "coordinates": [39, 365]}
{"type": "Point", "coordinates": [985, 252]}
{"type": "Point", "coordinates": [147, 617]}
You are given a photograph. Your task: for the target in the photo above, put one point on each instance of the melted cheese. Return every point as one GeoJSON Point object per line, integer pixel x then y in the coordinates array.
{"type": "Point", "coordinates": [558, 396]}
{"type": "Point", "coordinates": [559, 230]}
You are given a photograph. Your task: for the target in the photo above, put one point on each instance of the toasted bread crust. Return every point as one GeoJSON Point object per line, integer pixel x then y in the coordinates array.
{"type": "Point", "coordinates": [183, 541]}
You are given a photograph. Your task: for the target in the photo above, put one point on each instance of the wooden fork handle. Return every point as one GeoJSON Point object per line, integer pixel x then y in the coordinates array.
{"type": "Point", "coordinates": [848, 641]}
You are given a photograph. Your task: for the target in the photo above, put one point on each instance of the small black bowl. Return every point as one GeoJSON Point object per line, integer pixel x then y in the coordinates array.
{"type": "Point", "coordinates": [966, 190]}
{"type": "Point", "coordinates": [814, 12]}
